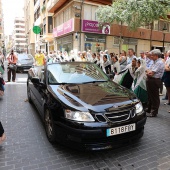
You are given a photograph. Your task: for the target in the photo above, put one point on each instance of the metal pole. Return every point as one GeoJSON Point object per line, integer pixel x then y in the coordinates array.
{"type": "Point", "coordinates": [80, 24]}
{"type": "Point", "coordinates": [163, 50]}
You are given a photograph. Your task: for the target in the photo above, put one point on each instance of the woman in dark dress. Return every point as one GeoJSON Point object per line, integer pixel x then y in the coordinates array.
{"type": "Point", "coordinates": [94, 58]}
{"type": "Point", "coordinates": [2, 83]}
{"type": "Point", "coordinates": [166, 80]}
{"type": "Point", "coordinates": [106, 65]}
{"type": "Point", "coordinates": [2, 134]}
{"type": "Point", "coordinates": [128, 75]}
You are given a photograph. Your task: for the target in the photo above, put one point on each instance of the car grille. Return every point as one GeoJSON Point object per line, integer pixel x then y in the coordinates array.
{"type": "Point", "coordinates": [116, 116]}
{"type": "Point", "coordinates": [120, 116]}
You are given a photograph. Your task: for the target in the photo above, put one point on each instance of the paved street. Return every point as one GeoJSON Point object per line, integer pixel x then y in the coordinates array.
{"type": "Point", "coordinates": [27, 148]}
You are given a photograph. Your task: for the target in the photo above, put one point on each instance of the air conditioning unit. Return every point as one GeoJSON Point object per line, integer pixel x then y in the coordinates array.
{"type": "Point", "coordinates": [77, 14]}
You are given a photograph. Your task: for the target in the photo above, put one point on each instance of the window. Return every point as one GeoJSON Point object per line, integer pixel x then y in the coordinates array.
{"type": "Point", "coordinates": [156, 25]}
{"type": "Point", "coordinates": [163, 25]}
{"type": "Point", "coordinates": [67, 14]}
{"type": "Point", "coordinates": [90, 12]}
{"type": "Point", "coordinates": [116, 41]}
{"type": "Point", "coordinates": [87, 12]}
{"type": "Point", "coordinates": [50, 24]}
{"type": "Point", "coordinates": [44, 28]}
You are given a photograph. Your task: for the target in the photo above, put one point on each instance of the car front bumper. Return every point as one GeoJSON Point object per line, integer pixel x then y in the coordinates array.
{"type": "Point", "coordinates": [95, 138]}
{"type": "Point", "coordinates": [23, 68]}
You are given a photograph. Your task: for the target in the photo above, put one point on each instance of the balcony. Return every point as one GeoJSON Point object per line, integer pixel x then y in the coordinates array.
{"type": "Point", "coordinates": [36, 5]}
{"type": "Point", "coordinates": [18, 39]}
{"type": "Point", "coordinates": [19, 29]}
{"type": "Point", "coordinates": [37, 22]}
{"type": "Point", "coordinates": [19, 24]}
{"type": "Point", "coordinates": [52, 5]}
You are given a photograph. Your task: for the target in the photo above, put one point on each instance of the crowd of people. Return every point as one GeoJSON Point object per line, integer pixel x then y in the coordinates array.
{"type": "Point", "coordinates": [144, 74]}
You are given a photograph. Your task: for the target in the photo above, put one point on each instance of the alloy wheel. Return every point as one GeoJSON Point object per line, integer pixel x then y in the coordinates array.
{"type": "Point", "coordinates": [48, 124]}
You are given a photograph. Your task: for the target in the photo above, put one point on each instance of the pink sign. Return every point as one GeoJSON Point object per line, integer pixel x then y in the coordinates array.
{"type": "Point", "coordinates": [93, 26]}
{"type": "Point", "coordinates": [64, 28]}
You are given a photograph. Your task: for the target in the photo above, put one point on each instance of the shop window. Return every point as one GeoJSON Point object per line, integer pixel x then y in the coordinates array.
{"type": "Point", "coordinates": [95, 43]}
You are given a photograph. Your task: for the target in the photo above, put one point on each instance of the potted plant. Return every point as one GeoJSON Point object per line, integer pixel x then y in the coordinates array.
{"type": "Point", "coordinates": [43, 8]}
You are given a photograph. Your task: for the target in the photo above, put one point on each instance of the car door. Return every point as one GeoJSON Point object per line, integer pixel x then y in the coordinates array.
{"type": "Point", "coordinates": [40, 90]}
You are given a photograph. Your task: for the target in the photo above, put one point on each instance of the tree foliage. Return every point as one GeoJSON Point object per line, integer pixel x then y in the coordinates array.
{"type": "Point", "coordinates": [134, 13]}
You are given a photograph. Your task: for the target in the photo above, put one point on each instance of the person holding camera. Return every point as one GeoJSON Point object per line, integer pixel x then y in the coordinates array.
{"type": "Point", "coordinates": [12, 60]}
{"type": "Point", "coordinates": [2, 59]}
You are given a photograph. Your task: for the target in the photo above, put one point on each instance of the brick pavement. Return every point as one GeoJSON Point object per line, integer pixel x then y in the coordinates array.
{"type": "Point", "coordinates": [27, 148]}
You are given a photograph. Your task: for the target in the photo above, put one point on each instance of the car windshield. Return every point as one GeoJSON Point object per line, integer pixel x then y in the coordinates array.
{"type": "Point", "coordinates": [24, 57]}
{"type": "Point", "coordinates": [75, 72]}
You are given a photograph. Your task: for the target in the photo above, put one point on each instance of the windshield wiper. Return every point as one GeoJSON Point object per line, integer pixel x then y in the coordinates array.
{"type": "Point", "coordinates": [63, 83]}
{"type": "Point", "coordinates": [94, 82]}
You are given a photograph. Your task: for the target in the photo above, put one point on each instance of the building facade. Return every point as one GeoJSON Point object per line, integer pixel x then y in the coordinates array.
{"type": "Point", "coordinates": [72, 25]}
{"type": "Point", "coordinates": [36, 14]}
{"type": "Point", "coordinates": [2, 43]}
{"type": "Point", "coordinates": [29, 21]}
{"type": "Point", "coordinates": [75, 27]}
{"type": "Point", "coordinates": [19, 38]}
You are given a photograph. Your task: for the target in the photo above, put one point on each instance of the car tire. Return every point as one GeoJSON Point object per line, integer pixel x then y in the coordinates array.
{"type": "Point", "coordinates": [29, 94]}
{"type": "Point", "coordinates": [49, 126]}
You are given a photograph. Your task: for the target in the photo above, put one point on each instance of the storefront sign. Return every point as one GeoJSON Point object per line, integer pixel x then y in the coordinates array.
{"type": "Point", "coordinates": [64, 28]}
{"type": "Point", "coordinates": [93, 27]}
{"type": "Point", "coordinates": [95, 38]}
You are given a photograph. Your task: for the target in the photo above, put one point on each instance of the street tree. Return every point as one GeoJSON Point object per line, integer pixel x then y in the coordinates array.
{"type": "Point", "coordinates": [135, 13]}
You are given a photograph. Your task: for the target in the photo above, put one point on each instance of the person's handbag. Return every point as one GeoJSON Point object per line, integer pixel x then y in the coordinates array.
{"type": "Point", "coordinates": [13, 67]}
{"type": "Point", "coordinates": [1, 70]}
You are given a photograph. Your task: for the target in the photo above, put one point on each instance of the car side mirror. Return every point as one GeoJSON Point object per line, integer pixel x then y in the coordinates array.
{"type": "Point", "coordinates": [35, 80]}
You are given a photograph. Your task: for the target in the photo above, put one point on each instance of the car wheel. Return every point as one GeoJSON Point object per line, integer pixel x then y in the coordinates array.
{"type": "Point", "coordinates": [49, 126]}
{"type": "Point", "coordinates": [29, 94]}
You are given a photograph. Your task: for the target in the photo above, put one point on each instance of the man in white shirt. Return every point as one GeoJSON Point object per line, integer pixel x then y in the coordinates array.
{"type": "Point", "coordinates": [131, 55]}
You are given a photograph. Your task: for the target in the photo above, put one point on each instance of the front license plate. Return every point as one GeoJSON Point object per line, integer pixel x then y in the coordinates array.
{"type": "Point", "coordinates": [121, 129]}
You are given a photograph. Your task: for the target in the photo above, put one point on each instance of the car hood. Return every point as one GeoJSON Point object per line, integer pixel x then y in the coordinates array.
{"type": "Point", "coordinates": [95, 97]}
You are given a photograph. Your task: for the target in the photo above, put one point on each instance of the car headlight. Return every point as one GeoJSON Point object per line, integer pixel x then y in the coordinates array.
{"type": "Point", "coordinates": [139, 108]}
{"type": "Point", "coordinates": [79, 116]}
